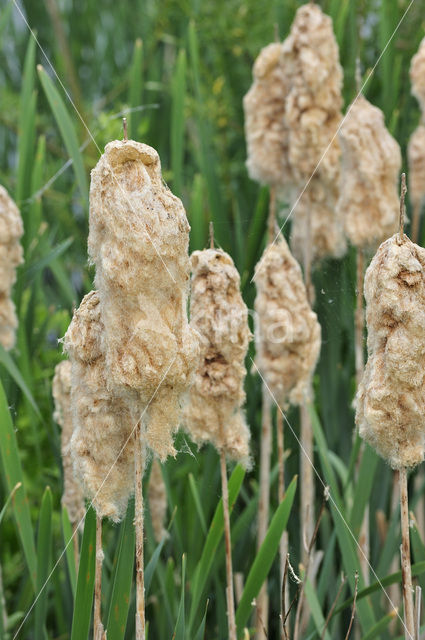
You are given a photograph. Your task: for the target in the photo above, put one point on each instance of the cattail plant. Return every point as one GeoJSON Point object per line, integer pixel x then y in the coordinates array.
{"type": "Point", "coordinates": [72, 497]}
{"type": "Point", "coordinates": [102, 445]}
{"type": "Point", "coordinates": [214, 409]}
{"type": "Point", "coordinates": [391, 396]}
{"type": "Point", "coordinates": [157, 499]}
{"type": "Point", "coordinates": [369, 205]}
{"type": "Point", "coordinates": [266, 139]}
{"type": "Point", "coordinates": [11, 230]}
{"type": "Point", "coordinates": [138, 240]}
{"type": "Point", "coordinates": [416, 147]}
{"type": "Point", "coordinates": [287, 335]}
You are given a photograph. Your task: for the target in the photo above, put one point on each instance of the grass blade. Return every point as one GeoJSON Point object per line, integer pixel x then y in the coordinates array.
{"type": "Point", "coordinates": [211, 543]}
{"type": "Point", "coordinates": [12, 472]}
{"type": "Point", "coordinates": [67, 130]}
{"type": "Point", "coordinates": [197, 501]}
{"type": "Point", "coordinates": [13, 371]}
{"type": "Point", "coordinates": [200, 634]}
{"type": "Point", "coordinates": [26, 124]}
{"type": "Point", "coordinates": [265, 556]}
{"type": "Point", "coordinates": [44, 545]}
{"type": "Point", "coordinates": [151, 566]}
{"type": "Point", "coordinates": [70, 558]}
{"type": "Point", "coordinates": [85, 581]}
{"type": "Point", "coordinates": [180, 628]}
{"type": "Point", "coordinates": [121, 581]}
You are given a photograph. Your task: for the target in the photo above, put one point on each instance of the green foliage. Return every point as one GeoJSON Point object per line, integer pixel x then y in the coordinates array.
{"type": "Point", "coordinates": [179, 71]}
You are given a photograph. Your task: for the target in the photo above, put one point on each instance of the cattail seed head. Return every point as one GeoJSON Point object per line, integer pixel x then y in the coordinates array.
{"type": "Point", "coordinates": [101, 445]}
{"type": "Point", "coordinates": [312, 115]}
{"type": "Point", "coordinates": [371, 162]}
{"type": "Point", "coordinates": [265, 130]}
{"type": "Point", "coordinates": [157, 499]}
{"type": "Point", "coordinates": [391, 396]}
{"type": "Point", "coordinates": [11, 256]}
{"type": "Point", "coordinates": [417, 75]}
{"type": "Point", "coordinates": [218, 313]}
{"type": "Point", "coordinates": [138, 241]}
{"type": "Point", "coordinates": [287, 335]}
{"type": "Point", "coordinates": [72, 497]}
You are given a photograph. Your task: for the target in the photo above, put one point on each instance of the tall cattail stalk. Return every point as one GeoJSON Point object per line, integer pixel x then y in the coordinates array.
{"type": "Point", "coordinates": [98, 630]}
{"type": "Point", "coordinates": [214, 409]}
{"type": "Point", "coordinates": [395, 308]}
{"type": "Point", "coordinates": [157, 499]}
{"type": "Point", "coordinates": [139, 445]}
{"type": "Point", "coordinates": [11, 256]}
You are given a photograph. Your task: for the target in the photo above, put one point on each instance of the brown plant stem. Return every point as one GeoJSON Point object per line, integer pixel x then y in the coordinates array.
{"type": "Point", "coordinates": [283, 545]}
{"type": "Point", "coordinates": [406, 569]}
{"type": "Point", "coordinates": [229, 568]}
{"type": "Point", "coordinates": [416, 216]}
{"type": "Point", "coordinates": [353, 610]}
{"type": "Point", "coordinates": [75, 545]}
{"type": "Point", "coordinates": [263, 504]}
{"type": "Point", "coordinates": [138, 523]}
{"type": "Point", "coordinates": [97, 616]}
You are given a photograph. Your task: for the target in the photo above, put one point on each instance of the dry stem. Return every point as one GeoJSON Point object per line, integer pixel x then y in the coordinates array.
{"type": "Point", "coordinates": [75, 545]}
{"type": "Point", "coordinates": [416, 216]}
{"type": "Point", "coordinates": [353, 610]}
{"type": "Point", "coordinates": [138, 523]}
{"type": "Point", "coordinates": [229, 569]}
{"type": "Point", "coordinates": [406, 569]}
{"type": "Point", "coordinates": [263, 505]}
{"type": "Point", "coordinates": [97, 617]}
{"type": "Point", "coordinates": [283, 547]}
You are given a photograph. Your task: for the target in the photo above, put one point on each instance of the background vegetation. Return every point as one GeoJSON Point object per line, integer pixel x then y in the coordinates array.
{"type": "Point", "coordinates": [182, 66]}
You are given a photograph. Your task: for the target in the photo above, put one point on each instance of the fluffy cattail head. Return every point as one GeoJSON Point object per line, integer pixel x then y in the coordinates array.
{"type": "Point", "coordinates": [11, 230]}
{"type": "Point", "coordinates": [265, 130]}
{"type": "Point", "coordinates": [157, 499]}
{"type": "Point", "coordinates": [391, 396]}
{"type": "Point", "coordinates": [218, 313]}
{"type": "Point", "coordinates": [417, 75]}
{"type": "Point", "coordinates": [287, 333]}
{"type": "Point", "coordinates": [102, 444]}
{"type": "Point", "coordinates": [72, 497]}
{"type": "Point", "coordinates": [371, 161]}
{"type": "Point", "coordinates": [138, 241]}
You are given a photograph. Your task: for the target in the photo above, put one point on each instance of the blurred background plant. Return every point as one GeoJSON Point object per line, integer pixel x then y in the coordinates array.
{"type": "Point", "coordinates": [178, 69]}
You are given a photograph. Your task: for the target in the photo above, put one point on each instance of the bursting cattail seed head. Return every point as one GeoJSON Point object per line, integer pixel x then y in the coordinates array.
{"type": "Point", "coordinates": [101, 446]}
{"type": "Point", "coordinates": [157, 499]}
{"type": "Point", "coordinates": [11, 256]}
{"type": "Point", "coordinates": [265, 130]}
{"type": "Point", "coordinates": [218, 313]}
{"type": "Point", "coordinates": [417, 75]}
{"type": "Point", "coordinates": [371, 162]}
{"type": "Point", "coordinates": [310, 57]}
{"type": "Point", "coordinates": [287, 335]}
{"type": "Point", "coordinates": [138, 241]}
{"type": "Point", "coordinates": [391, 396]}
{"type": "Point", "coordinates": [72, 497]}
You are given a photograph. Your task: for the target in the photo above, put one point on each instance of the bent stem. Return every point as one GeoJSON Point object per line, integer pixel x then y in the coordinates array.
{"type": "Point", "coordinates": [406, 569]}
{"type": "Point", "coordinates": [97, 618]}
{"type": "Point", "coordinates": [138, 524]}
{"type": "Point", "coordinates": [229, 569]}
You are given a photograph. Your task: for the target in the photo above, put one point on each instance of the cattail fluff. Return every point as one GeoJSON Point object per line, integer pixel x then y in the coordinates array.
{"type": "Point", "coordinates": [72, 497]}
{"type": "Point", "coordinates": [287, 333]}
{"type": "Point", "coordinates": [312, 115]}
{"type": "Point", "coordinates": [265, 130]}
{"type": "Point", "coordinates": [391, 396]}
{"type": "Point", "coordinates": [11, 230]}
{"type": "Point", "coordinates": [101, 445]}
{"type": "Point", "coordinates": [218, 313]}
{"type": "Point", "coordinates": [416, 147]}
{"type": "Point", "coordinates": [138, 241]}
{"type": "Point", "coordinates": [157, 499]}
{"type": "Point", "coordinates": [371, 162]}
